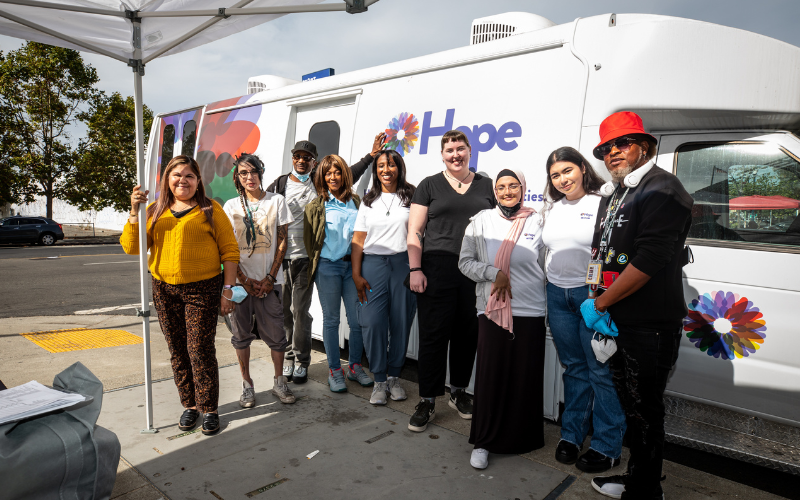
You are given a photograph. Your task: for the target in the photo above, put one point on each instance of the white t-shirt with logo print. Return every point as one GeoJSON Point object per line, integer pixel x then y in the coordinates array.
{"type": "Point", "coordinates": [268, 213]}
{"type": "Point", "coordinates": [568, 232]}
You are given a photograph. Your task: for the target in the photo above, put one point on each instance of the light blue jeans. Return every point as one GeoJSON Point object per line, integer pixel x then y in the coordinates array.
{"type": "Point", "coordinates": [589, 393]}
{"type": "Point", "coordinates": [334, 279]}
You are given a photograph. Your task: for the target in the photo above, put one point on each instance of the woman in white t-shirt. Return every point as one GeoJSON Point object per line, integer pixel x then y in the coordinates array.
{"type": "Point", "coordinates": [571, 205]}
{"type": "Point", "coordinates": [380, 265]}
{"type": "Point", "coordinates": [500, 253]}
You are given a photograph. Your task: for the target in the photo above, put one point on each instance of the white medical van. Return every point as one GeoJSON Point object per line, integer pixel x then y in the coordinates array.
{"type": "Point", "coordinates": [724, 105]}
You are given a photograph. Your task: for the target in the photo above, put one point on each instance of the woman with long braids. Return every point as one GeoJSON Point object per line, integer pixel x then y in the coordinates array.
{"type": "Point", "coordinates": [571, 205]}
{"type": "Point", "coordinates": [260, 220]}
{"type": "Point", "coordinates": [380, 265]}
{"type": "Point", "coordinates": [189, 236]}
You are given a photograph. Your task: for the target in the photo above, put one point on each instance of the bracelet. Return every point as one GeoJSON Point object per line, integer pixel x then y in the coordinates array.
{"type": "Point", "coordinates": [594, 305]}
{"type": "Point", "coordinates": [227, 287]}
{"type": "Point", "coordinates": [414, 269]}
{"type": "Point", "coordinates": [272, 278]}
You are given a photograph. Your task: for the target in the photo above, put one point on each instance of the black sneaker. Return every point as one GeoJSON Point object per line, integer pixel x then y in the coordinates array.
{"type": "Point", "coordinates": [610, 486]}
{"type": "Point", "coordinates": [594, 462]}
{"type": "Point", "coordinates": [188, 420]}
{"type": "Point", "coordinates": [210, 424]}
{"type": "Point", "coordinates": [462, 403]}
{"type": "Point", "coordinates": [425, 411]}
{"type": "Point", "coordinates": [566, 452]}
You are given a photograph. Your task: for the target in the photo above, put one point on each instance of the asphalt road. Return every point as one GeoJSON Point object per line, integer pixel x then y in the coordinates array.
{"type": "Point", "coordinates": [55, 281]}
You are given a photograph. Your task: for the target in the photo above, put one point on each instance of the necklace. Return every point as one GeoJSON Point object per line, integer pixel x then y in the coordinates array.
{"type": "Point", "coordinates": [260, 195]}
{"type": "Point", "coordinates": [389, 208]}
{"type": "Point", "coordinates": [456, 180]}
{"type": "Point", "coordinates": [185, 205]}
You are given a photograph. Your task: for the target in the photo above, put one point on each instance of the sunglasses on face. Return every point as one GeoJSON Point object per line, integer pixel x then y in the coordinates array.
{"type": "Point", "coordinates": [305, 158]}
{"type": "Point", "coordinates": [621, 143]}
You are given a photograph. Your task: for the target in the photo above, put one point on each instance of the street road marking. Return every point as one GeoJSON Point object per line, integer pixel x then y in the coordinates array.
{"type": "Point", "coordinates": [265, 488]}
{"type": "Point", "coordinates": [78, 339]}
{"type": "Point", "coordinates": [118, 262]}
{"type": "Point", "coordinates": [109, 309]}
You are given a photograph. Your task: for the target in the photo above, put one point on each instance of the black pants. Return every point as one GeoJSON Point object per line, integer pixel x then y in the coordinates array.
{"type": "Point", "coordinates": [447, 316]}
{"type": "Point", "coordinates": [640, 369]}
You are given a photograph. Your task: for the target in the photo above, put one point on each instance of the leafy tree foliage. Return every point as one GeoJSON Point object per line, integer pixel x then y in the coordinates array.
{"type": "Point", "coordinates": [106, 169]}
{"type": "Point", "coordinates": [42, 89]}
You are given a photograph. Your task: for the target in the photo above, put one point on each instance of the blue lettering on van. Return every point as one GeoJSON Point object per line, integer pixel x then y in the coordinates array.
{"type": "Point", "coordinates": [533, 196]}
{"type": "Point", "coordinates": [502, 136]}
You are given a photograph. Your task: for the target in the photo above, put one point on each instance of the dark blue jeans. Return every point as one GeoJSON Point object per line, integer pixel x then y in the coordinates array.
{"type": "Point", "coordinates": [335, 285]}
{"type": "Point", "coordinates": [641, 368]}
{"type": "Point", "coordinates": [589, 393]}
{"type": "Point", "coordinates": [387, 315]}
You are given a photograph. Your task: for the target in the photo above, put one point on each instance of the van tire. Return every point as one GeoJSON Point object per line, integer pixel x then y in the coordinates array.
{"type": "Point", "coordinates": [47, 239]}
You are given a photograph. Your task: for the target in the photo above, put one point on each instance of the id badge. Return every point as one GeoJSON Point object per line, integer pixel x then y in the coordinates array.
{"type": "Point", "coordinates": [594, 272]}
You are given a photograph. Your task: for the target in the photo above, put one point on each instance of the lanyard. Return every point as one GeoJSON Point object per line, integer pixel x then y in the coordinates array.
{"type": "Point", "coordinates": [611, 214]}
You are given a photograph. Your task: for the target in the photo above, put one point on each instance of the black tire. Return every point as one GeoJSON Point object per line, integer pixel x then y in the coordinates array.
{"type": "Point", "coordinates": [47, 239]}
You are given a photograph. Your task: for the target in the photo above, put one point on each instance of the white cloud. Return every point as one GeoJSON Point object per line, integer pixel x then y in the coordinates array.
{"type": "Point", "coordinates": [392, 30]}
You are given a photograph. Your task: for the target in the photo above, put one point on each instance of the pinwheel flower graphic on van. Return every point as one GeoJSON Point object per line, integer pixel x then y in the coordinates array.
{"type": "Point", "coordinates": [725, 325]}
{"type": "Point", "coordinates": [402, 133]}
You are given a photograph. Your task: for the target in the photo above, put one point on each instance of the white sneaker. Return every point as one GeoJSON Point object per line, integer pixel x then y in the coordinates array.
{"type": "Point", "coordinates": [280, 388]}
{"type": "Point", "coordinates": [479, 458]}
{"type": "Point", "coordinates": [397, 393]}
{"type": "Point", "coordinates": [378, 394]}
{"type": "Point", "coordinates": [248, 397]}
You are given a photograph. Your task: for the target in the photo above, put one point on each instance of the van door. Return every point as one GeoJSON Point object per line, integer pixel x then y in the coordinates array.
{"type": "Point", "coordinates": [740, 340]}
{"type": "Point", "coordinates": [329, 125]}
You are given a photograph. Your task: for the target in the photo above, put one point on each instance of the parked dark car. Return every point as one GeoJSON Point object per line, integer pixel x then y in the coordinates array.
{"type": "Point", "coordinates": [26, 229]}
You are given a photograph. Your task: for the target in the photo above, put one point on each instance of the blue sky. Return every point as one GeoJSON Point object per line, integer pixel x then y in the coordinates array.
{"type": "Point", "coordinates": [392, 30]}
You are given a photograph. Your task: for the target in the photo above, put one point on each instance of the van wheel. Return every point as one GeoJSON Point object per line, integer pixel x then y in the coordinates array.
{"type": "Point", "coordinates": [47, 240]}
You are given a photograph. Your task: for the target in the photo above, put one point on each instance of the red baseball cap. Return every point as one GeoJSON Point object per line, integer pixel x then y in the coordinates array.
{"type": "Point", "coordinates": [618, 125]}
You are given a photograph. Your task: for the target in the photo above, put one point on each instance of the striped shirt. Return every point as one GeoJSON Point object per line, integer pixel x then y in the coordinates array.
{"type": "Point", "coordinates": [298, 195]}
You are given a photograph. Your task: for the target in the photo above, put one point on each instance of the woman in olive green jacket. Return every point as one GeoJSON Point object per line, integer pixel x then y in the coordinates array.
{"type": "Point", "coordinates": [328, 223]}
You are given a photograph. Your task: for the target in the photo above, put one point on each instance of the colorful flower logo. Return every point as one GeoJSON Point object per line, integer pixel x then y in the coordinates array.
{"type": "Point", "coordinates": [725, 325]}
{"type": "Point", "coordinates": [402, 133]}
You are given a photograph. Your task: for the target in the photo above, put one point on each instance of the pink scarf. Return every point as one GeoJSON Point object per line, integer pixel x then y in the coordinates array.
{"type": "Point", "coordinates": [496, 310]}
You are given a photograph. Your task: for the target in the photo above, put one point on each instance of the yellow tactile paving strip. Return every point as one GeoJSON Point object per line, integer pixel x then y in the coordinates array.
{"type": "Point", "coordinates": [78, 339]}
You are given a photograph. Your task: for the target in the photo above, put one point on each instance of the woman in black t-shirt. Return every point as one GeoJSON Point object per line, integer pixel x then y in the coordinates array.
{"type": "Point", "coordinates": [440, 210]}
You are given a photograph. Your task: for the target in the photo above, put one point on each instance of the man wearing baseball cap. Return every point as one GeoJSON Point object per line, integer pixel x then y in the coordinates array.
{"type": "Point", "coordinates": [637, 255]}
{"type": "Point", "coordinates": [297, 187]}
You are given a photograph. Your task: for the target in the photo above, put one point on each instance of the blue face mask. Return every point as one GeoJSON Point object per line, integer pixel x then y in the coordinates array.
{"type": "Point", "coordinates": [301, 177]}
{"type": "Point", "coordinates": [239, 294]}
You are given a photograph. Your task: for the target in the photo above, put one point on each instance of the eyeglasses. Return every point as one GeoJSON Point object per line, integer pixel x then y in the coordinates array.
{"type": "Point", "coordinates": [247, 173]}
{"type": "Point", "coordinates": [621, 143]}
{"type": "Point", "coordinates": [305, 158]}
{"type": "Point", "coordinates": [512, 188]}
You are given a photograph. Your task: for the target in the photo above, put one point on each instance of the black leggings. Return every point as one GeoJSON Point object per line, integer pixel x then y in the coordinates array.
{"type": "Point", "coordinates": [447, 316]}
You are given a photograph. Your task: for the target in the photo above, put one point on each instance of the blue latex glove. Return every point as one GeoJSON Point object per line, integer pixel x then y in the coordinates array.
{"type": "Point", "coordinates": [596, 321]}
{"type": "Point", "coordinates": [606, 326]}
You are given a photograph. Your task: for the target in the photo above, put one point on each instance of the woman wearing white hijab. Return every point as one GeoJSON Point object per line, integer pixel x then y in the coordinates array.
{"type": "Point", "coordinates": [500, 252]}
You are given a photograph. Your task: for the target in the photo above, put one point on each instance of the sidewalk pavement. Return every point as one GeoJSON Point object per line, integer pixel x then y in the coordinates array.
{"type": "Point", "coordinates": [365, 451]}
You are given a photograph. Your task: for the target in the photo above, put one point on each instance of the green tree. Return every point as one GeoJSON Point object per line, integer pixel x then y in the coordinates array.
{"type": "Point", "coordinates": [105, 173]}
{"type": "Point", "coordinates": [42, 89]}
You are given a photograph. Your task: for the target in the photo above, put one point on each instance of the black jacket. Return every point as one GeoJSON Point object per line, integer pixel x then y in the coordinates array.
{"type": "Point", "coordinates": [649, 233]}
{"type": "Point", "coordinates": [358, 168]}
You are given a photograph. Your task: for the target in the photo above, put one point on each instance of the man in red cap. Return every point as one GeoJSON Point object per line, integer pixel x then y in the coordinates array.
{"type": "Point", "coordinates": [637, 255]}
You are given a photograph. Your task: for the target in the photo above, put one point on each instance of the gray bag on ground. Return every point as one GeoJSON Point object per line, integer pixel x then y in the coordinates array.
{"type": "Point", "coordinates": [62, 455]}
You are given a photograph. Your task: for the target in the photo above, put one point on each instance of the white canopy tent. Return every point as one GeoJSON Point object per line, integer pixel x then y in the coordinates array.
{"type": "Point", "coordinates": [135, 32]}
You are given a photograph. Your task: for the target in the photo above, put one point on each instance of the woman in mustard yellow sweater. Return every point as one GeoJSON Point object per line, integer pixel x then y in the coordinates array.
{"type": "Point", "coordinates": [189, 236]}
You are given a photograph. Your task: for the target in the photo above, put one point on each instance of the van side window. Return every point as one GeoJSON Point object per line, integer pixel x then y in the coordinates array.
{"type": "Point", "coordinates": [189, 138]}
{"type": "Point", "coordinates": [325, 136]}
{"type": "Point", "coordinates": [167, 146]}
{"type": "Point", "coordinates": [743, 191]}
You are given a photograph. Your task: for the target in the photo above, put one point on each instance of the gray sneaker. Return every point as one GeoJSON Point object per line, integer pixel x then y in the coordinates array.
{"type": "Point", "coordinates": [288, 370]}
{"type": "Point", "coordinates": [379, 393]}
{"type": "Point", "coordinates": [281, 389]}
{"type": "Point", "coordinates": [300, 374]}
{"type": "Point", "coordinates": [336, 380]}
{"type": "Point", "coordinates": [397, 393]}
{"type": "Point", "coordinates": [356, 373]}
{"type": "Point", "coordinates": [248, 397]}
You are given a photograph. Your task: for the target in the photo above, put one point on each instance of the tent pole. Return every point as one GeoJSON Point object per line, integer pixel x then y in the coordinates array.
{"type": "Point", "coordinates": [143, 289]}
